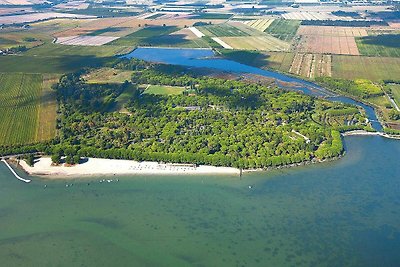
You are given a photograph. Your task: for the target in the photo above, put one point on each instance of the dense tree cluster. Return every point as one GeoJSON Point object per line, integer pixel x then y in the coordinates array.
{"type": "Point", "coordinates": [225, 123]}
{"type": "Point", "coordinates": [359, 88]}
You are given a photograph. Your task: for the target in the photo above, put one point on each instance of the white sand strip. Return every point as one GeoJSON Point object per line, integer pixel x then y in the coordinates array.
{"type": "Point", "coordinates": [196, 32]}
{"type": "Point", "coordinates": [101, 167]}
{"type": "Point", "coordinates": [224, 45]}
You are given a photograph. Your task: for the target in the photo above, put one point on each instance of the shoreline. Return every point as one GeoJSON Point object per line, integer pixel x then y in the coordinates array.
{"type": "Point", "coordinates": [365, 133]}
{"type": "Point", "coordinates": [111, 167]}
{"type": "Point", "coordinates": [118, 167]}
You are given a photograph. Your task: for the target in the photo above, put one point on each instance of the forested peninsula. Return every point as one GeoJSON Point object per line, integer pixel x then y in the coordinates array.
{"type": "Point", "coordinates": [212, 121]}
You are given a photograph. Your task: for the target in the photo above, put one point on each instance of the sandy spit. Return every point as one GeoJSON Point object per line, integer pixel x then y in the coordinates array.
{"type": "Point", "coordinates": [108, 167]}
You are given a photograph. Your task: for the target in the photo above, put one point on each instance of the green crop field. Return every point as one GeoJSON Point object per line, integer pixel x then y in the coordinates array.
{"type": "Point", "coordinates": [372, 68]}
{"type": "Point", "coordinates": [387, 45]}
{"type": "Point", "coordinates": [164, 90]}
{"type": "Point", "coordinates": [33, 64]}
{"type": "Point", "coordinates": [222, 30]}
{"type": "Point", "coordinates": [283, 29]}
{"type": "Point", "coordinates": [261, 43]}
{"type": "Point", "coordinates": [22, 96]}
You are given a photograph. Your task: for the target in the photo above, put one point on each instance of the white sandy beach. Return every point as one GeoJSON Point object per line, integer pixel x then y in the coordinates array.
{"type": "Point", "coordinates": [99, 167]}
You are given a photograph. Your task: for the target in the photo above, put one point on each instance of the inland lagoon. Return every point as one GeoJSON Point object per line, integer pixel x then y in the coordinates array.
{"type": "Point", "coordinates": [340, 213]}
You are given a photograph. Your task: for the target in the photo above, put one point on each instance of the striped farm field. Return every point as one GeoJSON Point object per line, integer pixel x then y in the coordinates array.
{"type": "Point", "coordinates": [24, 105]}
{"type": "Point", "coordinates": [260, 43]}
{"type": "Point", "coordinates": [311, 65]}
{"type": "Point", "coordinates": [259, 24]}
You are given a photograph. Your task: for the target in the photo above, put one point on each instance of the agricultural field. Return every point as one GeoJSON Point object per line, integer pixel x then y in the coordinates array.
{"type": "Point", "coordinates": [47, 108]}
{"type": "Point", "coordinates": [91, 27]}
{"type": "Point", "coordinates": [12, 38]}
{"type": "Point", "coordinates": [332, 31]}
{"type": "Point", "coordinates": [112, 31]}
{"type": "Point", "coordinates": [311, 65]}
{"type": "Point", "coordinates": [275, 60]}
{"type": "Point", "coordinates": [28, 18]}
{"type": "Point", "coordinates": [155, 15]}
{"type": "Point", "coordinates": [260, 43]}
{"type": "Point", "coordinates": [43, 64]}
{"type": "Point", "coordinates": [386, 45]}
{"type": "Point", "coordinates": [360, 67]}
{"type": "Point", "coordinates": [108, 75]}
{"type": "Point", "coordinates": [311, 15]}
{"type": "Point", "coordinates": [85, 40]}
{"type": "Point", "coordinates": [152, 36]}
{"type": "Point", "coordinates": [222, 30]}
{"type": "Point", "coordinates": [56, 26]}
{"type": "Point", "coordinates": [259, 24]}
{"type": "Point", "coordinates": [25, 106]}
{"type": "Point", "coordinates": [60, 50]}
{"type": "Point", "coordinates": [283, 29]}
{"type": "Point", "coordinates": [320, 44]}
{"type": "Point", "coordinates": [164, 90]}
{"type": "Point", "coordinates": [210, 15]}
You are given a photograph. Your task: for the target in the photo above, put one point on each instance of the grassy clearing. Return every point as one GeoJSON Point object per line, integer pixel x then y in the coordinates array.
{"type": "Point", "coordinates": [387, 45]}
{"type": "Point", "coordinates": [222, 30]}
{"type": "Point", "coordinates": [108, 75]}
{"type": "Point", "coordinates": [124, 99]}
{"type": "Point", "coordinates": [20, 95]}
{"type": "Point", "coordinates": [164, 90]}
{"type": "Point", "coordinates": [283, 29]}
{"type": "Point", "coordinates": [371, 68]}
{"type": "Point", "coordinates": [33, 64]}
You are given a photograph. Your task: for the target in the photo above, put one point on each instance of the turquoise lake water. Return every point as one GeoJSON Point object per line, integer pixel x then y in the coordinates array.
{"type": "Point", "coordinates": [341, 213]}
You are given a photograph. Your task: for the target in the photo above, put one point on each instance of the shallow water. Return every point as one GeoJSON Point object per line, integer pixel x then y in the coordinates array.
{"type": "Point", "coordinates": [342, 213]}
{"type": "Point", "coordinates": [204, 58]}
